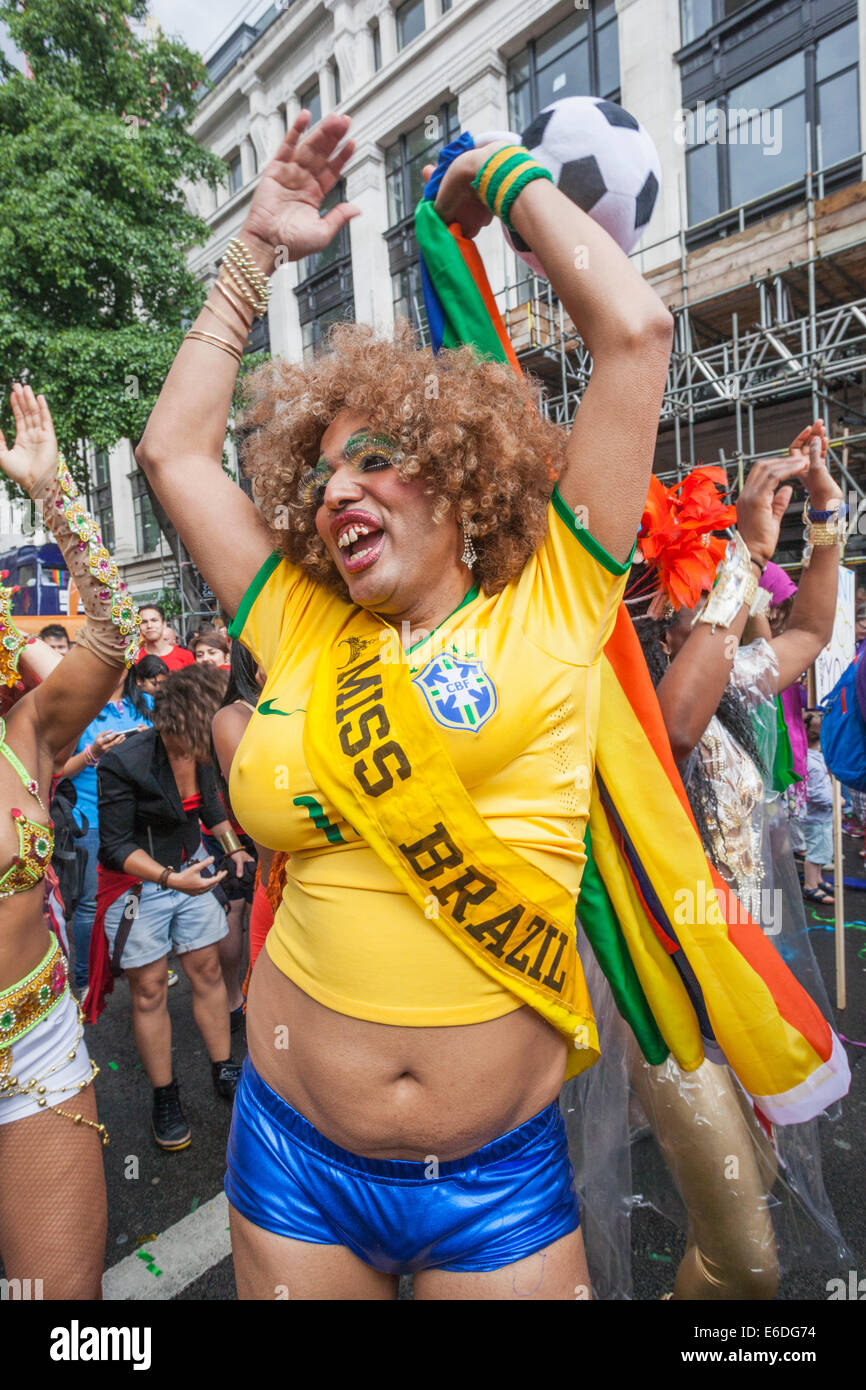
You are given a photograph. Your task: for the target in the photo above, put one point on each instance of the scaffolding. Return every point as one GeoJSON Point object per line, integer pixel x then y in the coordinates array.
{"type": "Point", "coordinates": [773, 316]}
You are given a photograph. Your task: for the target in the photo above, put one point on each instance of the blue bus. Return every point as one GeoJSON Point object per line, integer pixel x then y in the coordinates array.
{"type": "Point", "coordinates": [41, 573]}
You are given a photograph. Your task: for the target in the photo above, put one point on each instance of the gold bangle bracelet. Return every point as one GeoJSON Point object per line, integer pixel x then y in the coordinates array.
{"type": "Point", "coordinates": [223, 318]}
{"type": "Point", "coordinates": [229, 842]}
{"type": "Point", "coordinates": [235, 303]}
{"type": "Point", "coordinates": [824, 533]}
{"type": "Point", "coordinates": [222, 343]}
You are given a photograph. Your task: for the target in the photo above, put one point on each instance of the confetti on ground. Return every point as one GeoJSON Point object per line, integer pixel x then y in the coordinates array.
{"type": "Point", "coordinates": [122, 1239]}
{"type": "Point", "coordinates": [664, 1259]}
{"type": "Point", "coordinates": [841, 1144]}
{"type": "Point", "coordinates": [194, 1204]}
{"type": "Point", "coordinates": [145, 1240]}
{"type": "Point", "coordinates": [149, 1261]}
{"type": "Point", "coordinates": [850, 1041]}
{"type": "Point", "coordinates": [112, 1066]}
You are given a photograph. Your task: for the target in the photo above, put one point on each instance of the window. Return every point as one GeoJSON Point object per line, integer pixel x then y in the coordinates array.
{"type": "Point", "coordinates": [700, 15]}
{"type": "Point", "coordinates": [405, 159]}
{"type": "Point", "coordinates": [746, 143]}
{"type": "Point", "coordinates": [311, 101]}
{"type": "Point", "coordinates": [102, 497]}
{"type": "Point", "coordinates": [376, 36]}
{"type": "Point", "coordinates": [314, 331]}
{"type": "Point", "coordinates": [446, 6]}
{"type": "Point", "coordinates": [577, 57]}
{"type": "Point", "coordinates": [326, 290]}
{"type": "Point", "coordinates": [146, 524]}
{"type": "Point", "coordinates": [235, 176]}
{"type": "Point", "coordinates": [836, 104]}
{"type": "Point", "coordinates": [337, 89]}
{"type": "Point", "coordinates": [259, 339]}
{"type": "Point", "coordinates": [760, 112]}
{"type": "Point", "coordinates": [404, 162]}
{"type": "Point", "coordinates": [409, 301]}
{"type": "Point", "coordinates": [337, 247]}
{"type": "Point", "coordinates": [410, 21]}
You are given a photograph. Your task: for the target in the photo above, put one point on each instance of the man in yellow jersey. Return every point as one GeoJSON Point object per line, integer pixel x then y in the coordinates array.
{"type": "Point", "coordinates": [432, 625]}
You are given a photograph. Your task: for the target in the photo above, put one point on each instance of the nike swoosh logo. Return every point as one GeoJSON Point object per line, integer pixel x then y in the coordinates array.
{"type": "Point", "coordinates": [264, 708]}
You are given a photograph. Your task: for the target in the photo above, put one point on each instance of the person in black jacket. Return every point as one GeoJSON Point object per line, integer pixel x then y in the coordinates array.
{"type": "Point", "coordinates": [154, 790]}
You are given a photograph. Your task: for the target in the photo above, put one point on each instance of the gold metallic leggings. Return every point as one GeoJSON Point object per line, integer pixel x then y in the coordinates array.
{"type": "Point", "coordinates": [724, 1168]}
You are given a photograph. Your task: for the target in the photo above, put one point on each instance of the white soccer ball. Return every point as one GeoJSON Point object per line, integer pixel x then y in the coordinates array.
{"type": "Point", "coordinates": [601, 158]}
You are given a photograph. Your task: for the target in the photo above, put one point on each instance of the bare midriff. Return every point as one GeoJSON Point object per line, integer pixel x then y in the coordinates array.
{"type": "Point", "coordinates": [394, 1092]}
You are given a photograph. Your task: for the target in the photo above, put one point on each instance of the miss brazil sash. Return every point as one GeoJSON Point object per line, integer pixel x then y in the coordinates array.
{"type": "Point", "coordinates": [371, 750]}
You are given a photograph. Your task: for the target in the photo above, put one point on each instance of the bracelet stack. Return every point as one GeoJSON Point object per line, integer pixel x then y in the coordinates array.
{"type": "Point", "coordinates": [505, 174]}
{"type": "Point", "coordinates": [250, 282]}
{"type": "Point", "coordinates": [242, 284]}
{"type": "Point", "coordinates": [823, 528]}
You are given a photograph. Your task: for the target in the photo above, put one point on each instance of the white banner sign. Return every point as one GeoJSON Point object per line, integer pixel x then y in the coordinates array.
{"type": "Point", "coordinates": [839, 651]}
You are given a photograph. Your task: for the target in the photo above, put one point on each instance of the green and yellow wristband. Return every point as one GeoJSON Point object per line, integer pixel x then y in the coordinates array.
{"type": "Point", "coordinates": [505, 174]}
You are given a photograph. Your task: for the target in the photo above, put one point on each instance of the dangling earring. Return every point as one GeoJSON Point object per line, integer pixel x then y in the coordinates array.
{"type": "Point", "coordinates": [469, 556]}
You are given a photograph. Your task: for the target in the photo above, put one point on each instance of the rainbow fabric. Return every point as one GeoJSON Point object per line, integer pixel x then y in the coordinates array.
{"type": "Point", "coordinates": [690, 970]}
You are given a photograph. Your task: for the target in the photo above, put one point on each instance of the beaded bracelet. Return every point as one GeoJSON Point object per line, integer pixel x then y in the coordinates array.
{"type": "Point", "coordinates": [241, 257]}
{"type": "Point", "coordinates": [504, 175]}
{"type": "Point", "coordinates": [840, 510]}
{"type": "Point", "coordinates": [829, 530]}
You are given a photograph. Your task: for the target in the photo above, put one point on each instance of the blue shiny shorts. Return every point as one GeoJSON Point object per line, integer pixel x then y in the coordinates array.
{"type": "Point", "coordinates": [511, 1198]}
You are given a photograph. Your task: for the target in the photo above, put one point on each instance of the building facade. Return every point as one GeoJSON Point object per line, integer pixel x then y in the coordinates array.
{"type": "Point", "coordinates": [756, 108]}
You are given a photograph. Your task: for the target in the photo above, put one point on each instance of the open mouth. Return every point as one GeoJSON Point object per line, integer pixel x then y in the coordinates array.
{"type": "Point", "coordinates": [359, 540]}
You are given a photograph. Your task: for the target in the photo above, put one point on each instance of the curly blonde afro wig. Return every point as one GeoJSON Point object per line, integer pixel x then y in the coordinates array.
{"type": "Point", "coordinates": [470, 429]}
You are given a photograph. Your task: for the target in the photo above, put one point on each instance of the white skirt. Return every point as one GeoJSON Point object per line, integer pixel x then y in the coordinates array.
{"type": "Point", "coordinates": [42, 1058]}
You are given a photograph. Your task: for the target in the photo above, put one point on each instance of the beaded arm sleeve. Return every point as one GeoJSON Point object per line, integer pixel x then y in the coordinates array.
{"type": "Point", "coordinates": [111, 631]}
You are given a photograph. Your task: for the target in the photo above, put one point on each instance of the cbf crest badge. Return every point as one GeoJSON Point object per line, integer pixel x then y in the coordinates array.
{"type": "Point", "coordinates": [458, 690]}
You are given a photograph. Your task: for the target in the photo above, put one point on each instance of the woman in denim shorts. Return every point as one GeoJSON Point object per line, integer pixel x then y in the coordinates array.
{"type": "Point", "coordinates": [155, 896]}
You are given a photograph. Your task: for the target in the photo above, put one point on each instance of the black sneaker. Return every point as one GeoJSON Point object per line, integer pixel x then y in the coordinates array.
{"type": "Point", "coordinates": [226, 1076]}
{"type": "Point", "coordinates": [170, 1129]}
{"type": "Point", "coordinates": [236, 1019]}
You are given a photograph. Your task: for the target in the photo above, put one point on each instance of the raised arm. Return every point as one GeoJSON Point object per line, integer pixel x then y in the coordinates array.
{"type": "Point", "coordinates": [181, 449]}
{"type": "Point", "coordinates": [690, 691]}
{"type": "Point", "coordinates": [72, 692]}
{"type": "Point", "coordinates": [810, 625]}
{"type": "Point", "coordinates": [624, 325]}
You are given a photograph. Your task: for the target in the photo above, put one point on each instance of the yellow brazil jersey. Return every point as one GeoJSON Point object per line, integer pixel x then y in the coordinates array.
{"type": "Point", "coordinates": [510, 684]}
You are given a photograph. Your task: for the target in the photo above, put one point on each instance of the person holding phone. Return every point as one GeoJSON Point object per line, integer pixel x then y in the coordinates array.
{"type": "Point", "coordinates": [156, 790]}
{"type": "Point", "coordinates": [124, 712]}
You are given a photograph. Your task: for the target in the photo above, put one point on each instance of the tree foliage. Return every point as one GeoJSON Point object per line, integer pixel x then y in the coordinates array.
{"type": "Point", "coordinates": [94, 229]}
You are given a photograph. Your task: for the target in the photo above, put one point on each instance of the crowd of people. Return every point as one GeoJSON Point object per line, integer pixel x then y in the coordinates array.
{"type": "Point", "coordinates": [405, 842]}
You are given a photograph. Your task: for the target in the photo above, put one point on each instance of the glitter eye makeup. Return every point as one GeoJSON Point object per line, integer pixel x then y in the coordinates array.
{"type": "Point", "coordinates": [311, 488]}
{"type": "Point", "coordinates": [365, 452]}
{"type": "Point", "coordinates": [368, 452]}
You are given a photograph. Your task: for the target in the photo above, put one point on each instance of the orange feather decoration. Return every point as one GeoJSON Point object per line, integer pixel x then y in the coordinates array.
{"type": "Point", "coordinates": [676, 533]}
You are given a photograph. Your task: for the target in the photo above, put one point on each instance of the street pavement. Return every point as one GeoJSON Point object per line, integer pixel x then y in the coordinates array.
{"type": "Point", "coordinates": [167, 1212]}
